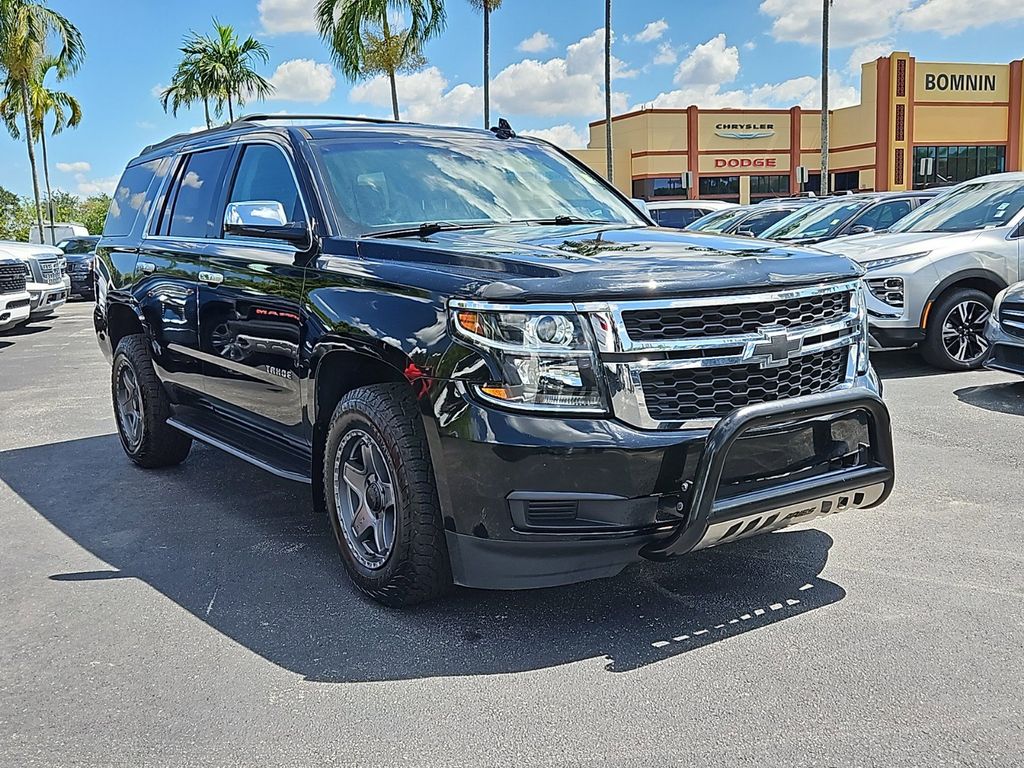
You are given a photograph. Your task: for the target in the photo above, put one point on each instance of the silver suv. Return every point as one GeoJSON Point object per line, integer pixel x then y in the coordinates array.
{"type": "Point", "coordinates": [933, 276]}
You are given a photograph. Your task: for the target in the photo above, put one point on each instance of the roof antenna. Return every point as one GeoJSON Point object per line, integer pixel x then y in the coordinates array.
{"type": "Point", "coordinates": [503, 130]}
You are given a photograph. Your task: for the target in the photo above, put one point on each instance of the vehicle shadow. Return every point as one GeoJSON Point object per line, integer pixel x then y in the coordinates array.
{"type": "Point", "coordinates": [901, 364]}
{"type": "Point", "coordinates": [241, 552]}
{"type": "Point", "coordinates": [26, 329]}
{"type": "Point", "coordinates": [1005, 397]}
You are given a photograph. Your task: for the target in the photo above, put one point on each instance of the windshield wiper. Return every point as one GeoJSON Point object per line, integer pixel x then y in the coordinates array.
{"type": "Point", "coordinates": [566, 220]}
{"type": "Point", "coordinates": [428, 228]}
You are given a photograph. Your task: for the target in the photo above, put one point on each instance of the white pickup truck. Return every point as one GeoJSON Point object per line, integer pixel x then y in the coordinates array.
{"type": "Point", "coordinates": [48, 284]}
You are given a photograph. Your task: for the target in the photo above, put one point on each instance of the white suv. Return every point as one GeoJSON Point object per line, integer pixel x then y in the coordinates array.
{"type": "Point", "coordinates": [933, 276]}
{"type": "Point", "coordinates": [48, 284]}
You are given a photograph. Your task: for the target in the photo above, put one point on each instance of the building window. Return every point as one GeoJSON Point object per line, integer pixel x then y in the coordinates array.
{"type": "Point", "coordinates": [951, 165]}
{"type": "Point", "coordinates": [721, 187]}
{"type": "Point", "coordinates": [663, 188]}
{"type": "Point", "coordinates": [775, 185]}
{"type": "Point", "coordinates": [846, 181]}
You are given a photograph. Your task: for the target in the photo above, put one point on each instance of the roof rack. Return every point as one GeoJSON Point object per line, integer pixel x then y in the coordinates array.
{"type": "Point", "coordinates": [258, 117]}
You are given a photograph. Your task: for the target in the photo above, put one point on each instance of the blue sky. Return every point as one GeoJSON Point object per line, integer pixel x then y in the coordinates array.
{"type": "Point", "coordinates": [546, 64]}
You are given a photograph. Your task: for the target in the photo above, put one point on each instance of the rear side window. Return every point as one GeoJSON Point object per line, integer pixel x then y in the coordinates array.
{"type": "Point", "coordinates": [192, 203]}
{"type": "Point", "coordinates": [264, 175]}
{"type": "Point", "coordinates": [884, 215]}
{"type": "Point", "coordinates": [677, 217]}
{"type": "Point", "coordinates": [759, 222]}
{"type": "Point", "coordinates": [130, 198]}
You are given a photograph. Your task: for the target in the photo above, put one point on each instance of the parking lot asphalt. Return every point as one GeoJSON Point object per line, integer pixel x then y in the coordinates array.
{"type": "Point", "coordinates": [200, 616]}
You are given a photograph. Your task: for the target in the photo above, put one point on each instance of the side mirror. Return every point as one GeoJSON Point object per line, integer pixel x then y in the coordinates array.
{"type": "Point", "coordinates": [642, 205]}
{"type": "Point", "coordinates": [263, 219]}
{"type": "Point", "coordinates": [861, 229]}
{"type": "Point", "coordinates": [746, 233]}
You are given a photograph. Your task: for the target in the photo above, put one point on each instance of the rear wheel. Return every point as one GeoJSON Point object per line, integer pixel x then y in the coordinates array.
{"type": "Point", "coordinates": [141, 408]}
{"type": "Point", "coordinates": [955, 339]}
{"type": "Point", "coordinates": [381, 499]}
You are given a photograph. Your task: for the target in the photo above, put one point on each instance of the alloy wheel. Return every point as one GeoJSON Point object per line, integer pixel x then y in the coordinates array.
{"type": "Point", "coordinates": [364, 495]}
{"type": "Point", "coordinates": [963, 331]}
{"type": "Point", "coordinates": [129, 406]}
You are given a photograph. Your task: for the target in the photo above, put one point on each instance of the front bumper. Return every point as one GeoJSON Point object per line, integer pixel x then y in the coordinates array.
{"type": "Point", "coordinates": [14, 309]}
{"type": "Point", "coordinates": [81, 283]}
{"type": "Point", "coordinates": [46, 298]}
{"type": "Point", "coordinates": [1006, 350]}
{"type": "Point", "coordinates": [536, 502]}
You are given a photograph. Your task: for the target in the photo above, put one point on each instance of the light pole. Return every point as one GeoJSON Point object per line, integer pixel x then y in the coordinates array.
{"type": "Point", "coordinates": [824, 97]}
{"type": "Point", "coordinates": [608, 88]}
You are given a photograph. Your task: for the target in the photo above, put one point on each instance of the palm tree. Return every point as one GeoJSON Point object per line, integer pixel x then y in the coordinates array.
{"type": "Point", "coordinates": [187, 87]}
{"type": "Point", "coordinates": [363, 44]}
{"type": "Point", "coordinates": [488, 7]}
{"type": "Point", "coordinates": [65, 108]}
{"type": "Point", "coordinates": [608, 89]}
{"type": "Point", "coordinates": [25, 26]}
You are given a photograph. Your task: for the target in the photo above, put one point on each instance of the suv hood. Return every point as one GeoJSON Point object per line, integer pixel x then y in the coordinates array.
{"type": "Point", "coordinates": [593, 262]}
{"type": "Point", "coordinates": [871, 247]}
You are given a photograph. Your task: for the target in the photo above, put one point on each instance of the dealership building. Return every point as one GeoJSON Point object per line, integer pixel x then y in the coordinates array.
{"type": "Point", "coordinates": [966, 117]}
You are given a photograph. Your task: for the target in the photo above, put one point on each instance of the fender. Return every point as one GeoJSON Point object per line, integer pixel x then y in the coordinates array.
{"type": "Point", "coordinates": [958, 277]}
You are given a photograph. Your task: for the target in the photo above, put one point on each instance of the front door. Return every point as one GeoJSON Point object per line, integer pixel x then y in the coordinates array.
{"type": "Point", "coordinates": [249, 303]}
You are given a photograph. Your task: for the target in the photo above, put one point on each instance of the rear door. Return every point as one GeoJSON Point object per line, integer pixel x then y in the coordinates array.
{"type": "Point", "coordinates": [169, 263]}
{"type": "Point", "coordinates": [249, 301]}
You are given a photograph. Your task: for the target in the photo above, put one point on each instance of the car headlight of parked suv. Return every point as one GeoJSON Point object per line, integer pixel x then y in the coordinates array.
{"type": "Point", "coordinates": [892, 261]}
{"type": "Point", "coordinates": [547, 360]}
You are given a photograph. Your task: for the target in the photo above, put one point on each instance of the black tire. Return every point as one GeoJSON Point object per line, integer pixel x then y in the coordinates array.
{"type": "Point", "coordinates": [945, 317]}
{"type": "Point", "coordinates": [415, 568]}
{"type": "Point", "coordinates": [154, 443]}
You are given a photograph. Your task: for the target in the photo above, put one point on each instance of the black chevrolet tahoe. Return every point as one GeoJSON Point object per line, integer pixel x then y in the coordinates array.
{"type": "Point", "coordinates": [493, 370]}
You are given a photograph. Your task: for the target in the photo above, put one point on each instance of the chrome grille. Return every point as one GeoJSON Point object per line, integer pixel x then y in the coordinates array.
{"type": "Point", "coordinates": [12, 278]}
{"type": "Point", "coordinates": [50, 271]}
{"type": "Point", "coordinates": [1011, 317]}
{"type": "Point", "coordinates": [687, 362]}
{"type": "Point", "coordinates": [694, 393]}
{"type": "Point", "coordinates": [698, 322]}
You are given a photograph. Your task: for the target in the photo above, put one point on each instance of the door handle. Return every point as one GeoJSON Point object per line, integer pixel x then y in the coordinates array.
{"type": "Point", "coordinates": [211, 278]}
{"type": "Point", "coordinates": [146, 267]}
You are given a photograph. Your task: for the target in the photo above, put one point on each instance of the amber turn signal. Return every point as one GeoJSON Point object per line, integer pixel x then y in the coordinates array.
{"type": "Point", "coordinates": [470, 321]}
{"type": "Point", "coordinates": [501, 393]}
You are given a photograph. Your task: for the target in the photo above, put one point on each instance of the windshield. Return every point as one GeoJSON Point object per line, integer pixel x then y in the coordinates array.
{"type": "Point", "coordinates": [78, 245]}
{"type": "Point", "coordinates": [718, 221]}
{"type": "Point", "coordinates": [390, 184]}
{"type": "Point", "coordinates": [821, 220]}
{"type": "Point", "coordinates": [973, 206]}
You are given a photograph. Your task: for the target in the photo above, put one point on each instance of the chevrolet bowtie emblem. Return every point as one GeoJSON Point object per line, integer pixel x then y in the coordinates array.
{"type": "Point", "coordinates": [776, 349]}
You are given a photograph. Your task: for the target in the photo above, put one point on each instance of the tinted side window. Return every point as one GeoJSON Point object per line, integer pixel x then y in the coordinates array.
{"type": "Point", "coordinates": [192, 214]}
{"type": "Point", "coordinates": [883, 215]}
{"type": "Point", "coordinates": [759, 222]}
{"type": "Point", "coordinates": [130, 198]}
{"type": "Point", "coordinates": [679, 217]}
{"type": "Point", "coordinates": [264, 175]}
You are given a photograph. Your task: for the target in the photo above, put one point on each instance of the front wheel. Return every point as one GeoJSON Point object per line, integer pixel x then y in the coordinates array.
{"type": "Point", "coordinates": [381, 498]}
{"type": "Point", "coordinates": [955, 339]}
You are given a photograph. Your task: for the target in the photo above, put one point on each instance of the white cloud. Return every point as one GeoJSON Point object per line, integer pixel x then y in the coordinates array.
{"type": "Point", "coordinates": [565, 136]}
{"type": "Point", "coordinates": [283, 16]}
{"type": "Point", "coordinates": [950, 17]}
{"type": "Point", "coordinates": [536, 43]}
{"type": "Point", "coordinates": [749, 45]}
{"type": "Point", "coordinates": [851, 22]}
{"type": "Point", "coordinates": [557, 87]}
{"type": "Point", "coordinates": [711, 63]}
{"type": "Point", "coordinates": [423, 96]}
{"type": "Point", "coordinates": [157, 90]}
{"type": "Point", "coordinates": [666, 54]}
{"type": "Point", "coordinates": [302, 80]}
{"type": "Point", "coordinates": [867, 52]}
{"type": "Point", "coordinates": [89, 187]}
{"type": "Point", "coordinates": [651, 32]}
{"type": "Point", "coordinates": [77, 167]}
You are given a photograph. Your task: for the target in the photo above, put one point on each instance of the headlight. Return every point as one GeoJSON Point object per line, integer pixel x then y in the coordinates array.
{"type": "Point", "coordinates": [997, 303]}
{"type": "Point", "coordinates": [546, 359]}
{"type": "Point", "coordinates": [871, 266]}
{"type": "Point", "coordinates": [863, 361]}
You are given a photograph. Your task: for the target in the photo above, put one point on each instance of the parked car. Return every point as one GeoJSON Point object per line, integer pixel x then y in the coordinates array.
{"type": "Point", "coordinates": [677, 214]}
{"type": "Point", "coordinates": [80, 253]}
{"type": "Point", "coordinates": [489, 366]}
{"type": "Point", "coordinates": [48, 284]}
{"type": "Point", "coordinates": [834, 217]}
{"type": "Point", "coordinates": [14, 298]}
{"type": "Point", "coordinates": [932, 278]}
{"type": "Point", "coordinates": [749, 220]}
{"type": "Point", "coordinates": [52, 235]}
{"type": "Point", "coordinates": [1004, 331]}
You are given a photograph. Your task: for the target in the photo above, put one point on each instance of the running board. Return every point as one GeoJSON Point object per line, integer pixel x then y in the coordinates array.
{"type": "Point", "coordinates": [229, 439]}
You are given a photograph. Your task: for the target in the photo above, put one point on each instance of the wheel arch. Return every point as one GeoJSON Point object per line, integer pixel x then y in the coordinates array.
{"type": "Point", "coordinates": [981, 279]}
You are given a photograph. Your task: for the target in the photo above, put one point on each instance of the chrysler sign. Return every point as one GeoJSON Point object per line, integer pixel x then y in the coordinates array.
{"type": "Point", "coordinates": [745, 130]}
